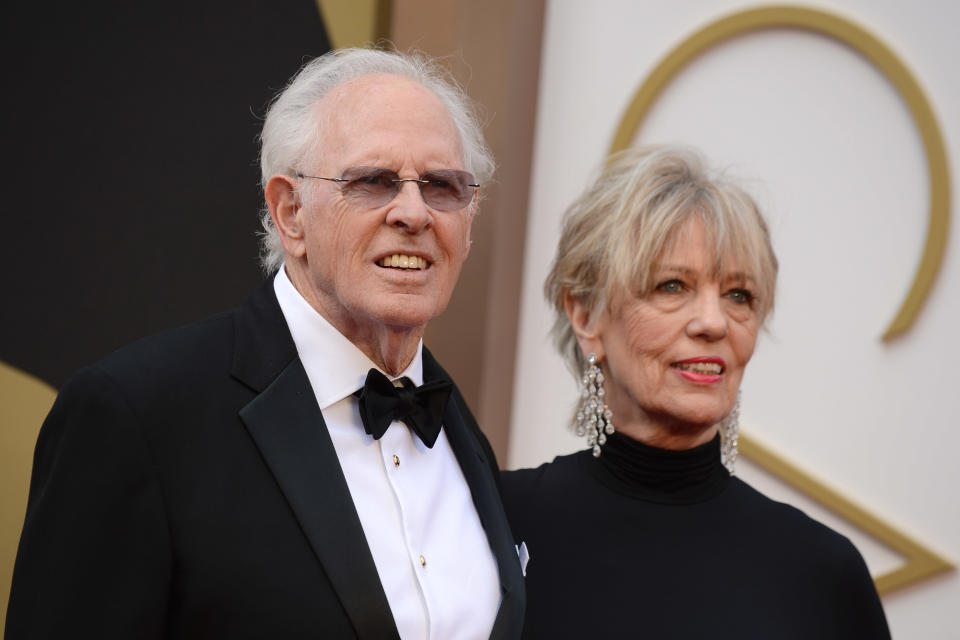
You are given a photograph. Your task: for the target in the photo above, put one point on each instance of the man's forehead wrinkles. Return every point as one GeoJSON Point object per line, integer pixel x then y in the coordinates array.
{"type": "Point", "coordinates": [366, 128]}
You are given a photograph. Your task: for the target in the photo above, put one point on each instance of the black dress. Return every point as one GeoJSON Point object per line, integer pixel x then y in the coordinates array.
{"type": "Point", "coordinates": [649, 543]}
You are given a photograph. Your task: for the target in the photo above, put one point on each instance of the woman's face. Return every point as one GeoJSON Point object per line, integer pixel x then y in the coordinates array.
{"type": "Point", "coordinates": [674, 359]}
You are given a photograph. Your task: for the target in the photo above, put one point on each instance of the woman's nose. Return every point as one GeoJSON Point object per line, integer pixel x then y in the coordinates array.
{"type": "Point", "coordinates": [708, 320]}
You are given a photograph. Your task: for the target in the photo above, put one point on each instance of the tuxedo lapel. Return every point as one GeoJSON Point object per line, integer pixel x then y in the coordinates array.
{"type": "Point", "coordinates": [288, 428]}
{"type": "Point", "coordinates": [477, 467]}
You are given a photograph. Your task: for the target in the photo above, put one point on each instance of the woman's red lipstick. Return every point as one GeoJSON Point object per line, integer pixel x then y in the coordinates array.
{"type": "Point", "coordinates": [700, 370]}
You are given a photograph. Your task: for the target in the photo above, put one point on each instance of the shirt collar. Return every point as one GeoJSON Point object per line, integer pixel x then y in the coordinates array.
{"type": "Point", "coordinates": [334, 365]}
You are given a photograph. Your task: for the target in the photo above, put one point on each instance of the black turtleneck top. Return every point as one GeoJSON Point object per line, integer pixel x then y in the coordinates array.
{"type": "Point", "coordinates": [649, 543]}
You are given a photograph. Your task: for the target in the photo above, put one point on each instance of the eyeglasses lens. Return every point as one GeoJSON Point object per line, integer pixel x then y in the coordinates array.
{"type": "Point", "coordinates": [443, 190]}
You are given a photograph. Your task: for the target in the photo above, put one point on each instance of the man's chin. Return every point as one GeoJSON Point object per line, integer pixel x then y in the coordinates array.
{"type": "Point", "coordinates": [407, 313]}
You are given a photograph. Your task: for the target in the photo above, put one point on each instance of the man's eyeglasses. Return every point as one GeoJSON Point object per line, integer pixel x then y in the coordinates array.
{"type": "Point", "coordinates": [373, 187]}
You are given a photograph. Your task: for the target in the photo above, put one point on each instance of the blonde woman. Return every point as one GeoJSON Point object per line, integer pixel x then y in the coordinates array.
{"type": "Point", "coordinates": [662, 279]}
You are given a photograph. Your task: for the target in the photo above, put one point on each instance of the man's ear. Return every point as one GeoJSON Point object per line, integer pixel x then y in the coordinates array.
{"type": "Point", "coordinates": [587, 325]}
{"type": "Point", "coordinates": [284, 203]}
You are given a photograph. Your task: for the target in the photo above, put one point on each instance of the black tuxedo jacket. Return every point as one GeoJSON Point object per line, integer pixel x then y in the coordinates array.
{"type": "Point", "coordinates": [186, 487]}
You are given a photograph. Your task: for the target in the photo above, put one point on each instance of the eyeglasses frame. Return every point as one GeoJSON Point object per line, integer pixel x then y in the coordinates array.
{"type": "Point", "coordinates": [419, 181]}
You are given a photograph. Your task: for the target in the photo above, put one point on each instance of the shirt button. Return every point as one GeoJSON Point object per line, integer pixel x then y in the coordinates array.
{"type": "Point", "coordinates": [396, 461]}
{"type": "Point", "coordinates": [423, 561]}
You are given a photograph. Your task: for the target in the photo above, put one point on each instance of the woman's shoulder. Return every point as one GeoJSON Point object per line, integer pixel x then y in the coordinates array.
{"type": "Point", "coordinates": [529, 492]}
{"type": "Point", "coordinates": [785, 523]}
{"type": "Point", "coordinates": [537, 479]}
{"type": "Point", "coordinates": [819, 561]}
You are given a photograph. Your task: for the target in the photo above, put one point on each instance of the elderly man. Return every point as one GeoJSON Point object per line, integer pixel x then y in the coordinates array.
{"type": "Point", "coordinates": [300, 466]}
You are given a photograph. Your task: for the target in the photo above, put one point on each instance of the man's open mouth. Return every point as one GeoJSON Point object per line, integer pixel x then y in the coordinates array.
{"type": "Point", "coordinates": [403, 261]}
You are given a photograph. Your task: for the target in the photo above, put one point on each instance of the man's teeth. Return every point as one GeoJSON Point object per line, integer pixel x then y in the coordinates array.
{"type": "Point", "coordinates": [403, 261]}
{"type": "Point", "coordinates": [706, 368]}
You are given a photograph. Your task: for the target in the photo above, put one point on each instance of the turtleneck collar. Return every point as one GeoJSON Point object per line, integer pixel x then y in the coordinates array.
{"type": "Point", "coordinates": [634, 469]}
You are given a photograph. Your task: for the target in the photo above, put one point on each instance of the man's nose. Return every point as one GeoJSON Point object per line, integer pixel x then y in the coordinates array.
{"type": "Point", "coordinates": [408, 209]}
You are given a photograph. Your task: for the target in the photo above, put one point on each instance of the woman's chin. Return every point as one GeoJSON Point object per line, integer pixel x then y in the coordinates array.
{"type": "Point", "coordinates": [694, 418]}
{"type": "Point", "coordinates": [674, 430]}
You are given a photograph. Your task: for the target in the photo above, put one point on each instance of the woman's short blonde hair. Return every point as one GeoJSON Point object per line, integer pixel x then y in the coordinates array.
{"type": "Point", "coordinates": [616, 230]}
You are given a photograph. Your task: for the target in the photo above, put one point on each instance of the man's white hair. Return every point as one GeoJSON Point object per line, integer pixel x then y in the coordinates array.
{"type": "Point", "coordinates": [291, 130]}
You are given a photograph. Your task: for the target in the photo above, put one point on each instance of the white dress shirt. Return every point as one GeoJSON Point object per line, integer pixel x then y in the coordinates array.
{"type": "Point", "coordinates": [417, 513]}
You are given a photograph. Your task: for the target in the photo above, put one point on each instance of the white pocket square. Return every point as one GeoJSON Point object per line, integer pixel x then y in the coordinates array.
{"type": "Point", "coordinates": [524, 557]}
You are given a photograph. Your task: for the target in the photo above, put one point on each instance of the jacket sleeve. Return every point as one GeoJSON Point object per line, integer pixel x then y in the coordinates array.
{"type": "Point", "coordinates": [94, 558]}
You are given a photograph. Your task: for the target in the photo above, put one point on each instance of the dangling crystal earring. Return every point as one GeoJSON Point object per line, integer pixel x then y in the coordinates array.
{"type": "Point", "coordinates": [729, 429]}
{"type": "Point", "coordinates": [594, 418]}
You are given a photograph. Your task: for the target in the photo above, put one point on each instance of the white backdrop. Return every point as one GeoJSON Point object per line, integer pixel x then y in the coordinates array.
{"type": "Point", "coordinates": [833, 156]}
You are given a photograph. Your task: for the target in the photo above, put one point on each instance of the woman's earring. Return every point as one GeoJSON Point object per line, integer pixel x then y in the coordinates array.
{"type": "Point", "coordinates": [729, 430]}
{"type": "Point", "coordinates": [594, 418]}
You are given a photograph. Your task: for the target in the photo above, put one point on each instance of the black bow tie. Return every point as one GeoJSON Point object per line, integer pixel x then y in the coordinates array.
{"type": "Point", "coordinates": [421, 408]}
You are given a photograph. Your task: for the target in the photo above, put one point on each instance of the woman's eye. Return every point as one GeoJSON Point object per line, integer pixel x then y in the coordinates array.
{"type": "Point", "coordinates": [670, 286]}
{"type": "Point", "coordinates": [741, 296]}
